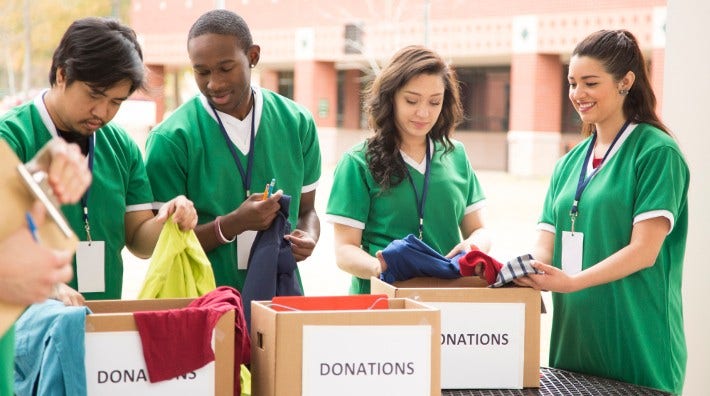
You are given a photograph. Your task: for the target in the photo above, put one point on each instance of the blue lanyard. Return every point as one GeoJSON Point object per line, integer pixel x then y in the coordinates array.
{"type": "Point", "coordinates": [246, 176]}
{"type": "Point", "coordinates": [85, 198]}
{"type": "Point", "coordinates": [425, 188]}
{"type": "Point", "coordinates": [583, 178]}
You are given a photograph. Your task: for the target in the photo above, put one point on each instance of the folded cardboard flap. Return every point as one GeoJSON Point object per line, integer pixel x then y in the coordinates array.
{"type": "Point", "coordinates": [16, 200]}
{"type": "Point", "coordinates": [329, 303]}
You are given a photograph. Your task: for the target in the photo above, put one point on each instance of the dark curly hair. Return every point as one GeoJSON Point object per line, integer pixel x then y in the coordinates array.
{"type": "Point", "coordinates": [383, 159]}
{"type": "Point", "coordinates": [618, 51]}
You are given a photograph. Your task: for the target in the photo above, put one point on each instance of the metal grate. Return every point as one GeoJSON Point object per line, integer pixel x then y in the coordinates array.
{"type": "Point", "coordinates": [555, 382]}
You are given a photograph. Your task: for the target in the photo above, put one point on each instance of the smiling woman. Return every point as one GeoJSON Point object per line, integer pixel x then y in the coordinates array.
{"type": "Point", "coordinates": [614, 226]}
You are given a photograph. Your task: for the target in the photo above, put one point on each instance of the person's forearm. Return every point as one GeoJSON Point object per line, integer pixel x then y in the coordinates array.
{"type": "Point", "coordinates": [309, 223]}
{"type": "Point", "coordinates": [481, 239]}
{"type": "Point", "coordinates": [145, 238]}
{"type": "Point", "coordinates": [357, 262]}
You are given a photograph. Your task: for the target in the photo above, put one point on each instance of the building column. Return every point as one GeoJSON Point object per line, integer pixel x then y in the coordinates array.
{"type": "Point", "coordinates": [535, 114]}
{"type": "Point", "coordinates": [315, 87]}
{"type": "Point", "coordinates": [685, 109]}
{"type": "Point", "coordinates": [534, 141]}
{"type": "Point", "coordinates": [156, 89]}
{"type": "Point", "coordinates": [351, 98]}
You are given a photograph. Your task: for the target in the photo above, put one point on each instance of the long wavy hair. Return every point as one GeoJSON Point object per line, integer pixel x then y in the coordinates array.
{"type": "Point", "coordinates": [383, 159]}
{"type": "Point", "coordinates": [619, 52]}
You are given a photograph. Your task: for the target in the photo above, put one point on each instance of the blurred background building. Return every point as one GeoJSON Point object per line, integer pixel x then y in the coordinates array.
{"type": "Point", "coordinates": [511, 57]}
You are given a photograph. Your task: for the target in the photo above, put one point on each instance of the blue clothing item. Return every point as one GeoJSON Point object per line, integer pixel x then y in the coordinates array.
{"type": "Point", "coordinates": [410, 257]}
{"type": "Point", "coordinates": [272, 266]}
{"type": "Point", "coordinates": [49, 350]}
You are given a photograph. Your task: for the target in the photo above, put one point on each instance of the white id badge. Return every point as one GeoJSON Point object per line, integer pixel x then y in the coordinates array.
{"type": "Point", "coordinates": [244, 242]}
{"type": "Point", "coordinates": [90, 267]}
{"type": "Point", "coordinates": [572, 249]}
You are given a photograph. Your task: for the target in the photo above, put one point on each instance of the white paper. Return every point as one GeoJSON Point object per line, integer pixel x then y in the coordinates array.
{"type": "Point", "coordinates": [244, 242]}
{"type": "Point", "coordinates": [572, 249]}
{"type": "Point", "coordinates": [356, 360]}
{"type": "Point", "coordinates": [482, 345]}
{"type": "Point", "coordinates": [90, 264]}
{"type": "Point", "coordinates": [115, 367]}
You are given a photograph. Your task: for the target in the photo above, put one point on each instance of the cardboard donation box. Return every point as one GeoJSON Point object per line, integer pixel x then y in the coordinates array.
{"type": "Point", "coordinates": [490, 338]}
{"type": "Point", "coordinates": [306, 346]}
{"type": "Point", "coordinates": [114, 355]}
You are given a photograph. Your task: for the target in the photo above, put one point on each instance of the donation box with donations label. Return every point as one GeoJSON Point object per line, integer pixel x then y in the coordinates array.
{"type": "Point", "coordinates": [389, 351]}
{"type": "Point", "coordinates": [490, 337]}
{"type": "Point", "coordinates": [114, 355]}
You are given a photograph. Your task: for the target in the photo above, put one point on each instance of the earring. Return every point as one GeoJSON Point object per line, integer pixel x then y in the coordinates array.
{"type": "Point", "coordinates": [252, 65]}
{"type": "Point", "coordinates": [623, 92]}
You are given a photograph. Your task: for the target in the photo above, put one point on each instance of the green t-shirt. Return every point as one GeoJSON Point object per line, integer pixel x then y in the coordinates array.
{"type": "Point", "coordinates": [358, 201]}
{"type": "Point", "coordinates": [119, 184]}
{"type": "Point", "coordinates": [7, 361]}
{"type": "Point", "coordinates": [630, 329]}
{"type": "Point", "coordinates": [187, 154]}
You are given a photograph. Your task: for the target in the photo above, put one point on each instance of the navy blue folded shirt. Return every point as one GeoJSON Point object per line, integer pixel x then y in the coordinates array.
{"type": "Point", "coordinates": [410, 258]}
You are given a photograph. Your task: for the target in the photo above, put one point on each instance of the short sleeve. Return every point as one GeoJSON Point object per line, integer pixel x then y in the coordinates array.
{"type": "Point", "coordinates": [349, 195]}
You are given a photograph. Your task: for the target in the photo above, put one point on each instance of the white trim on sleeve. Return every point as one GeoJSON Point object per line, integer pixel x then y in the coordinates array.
{"type": "Point", "coordinates": [656, 213]}
{"type": "Point", "coordinates": [333, 219]}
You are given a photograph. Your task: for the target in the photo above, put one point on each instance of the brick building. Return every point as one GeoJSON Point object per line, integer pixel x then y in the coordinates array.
{"type": "Point", "coordinates": [510, 56]}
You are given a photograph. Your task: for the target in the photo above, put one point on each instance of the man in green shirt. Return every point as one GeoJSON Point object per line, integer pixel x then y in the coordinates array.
{"type": "Point", "coordinates": [96, 67]}
{"type": "Point", "coordinates": [221, 149]}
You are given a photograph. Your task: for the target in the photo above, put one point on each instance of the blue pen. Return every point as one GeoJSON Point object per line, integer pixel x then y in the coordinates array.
{"type": "Point", "coordinates": [32, 226]}
{"type": "Point", "coordinates": [271, 186]}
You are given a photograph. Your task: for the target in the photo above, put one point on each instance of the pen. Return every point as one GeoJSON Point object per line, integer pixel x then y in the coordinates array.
{"type": "Point", "coordinates": [32, 226]}
{"type": "Point", "coordinates": [271, 186]}
{"type": "Point", "coordinates": [266, 193]}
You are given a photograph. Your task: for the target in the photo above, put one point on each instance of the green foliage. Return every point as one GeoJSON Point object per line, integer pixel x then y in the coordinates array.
{"type": "Point", "coordinates": [48, 19]}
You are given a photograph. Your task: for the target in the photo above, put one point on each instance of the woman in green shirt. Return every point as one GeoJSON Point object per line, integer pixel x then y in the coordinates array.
{"type": "Point", "coordinates": [614, 226]}
{"type": "Point", "coordinates": [410, 177]}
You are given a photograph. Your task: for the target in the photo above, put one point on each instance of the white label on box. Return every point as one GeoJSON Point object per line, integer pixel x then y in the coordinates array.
{"type": "Point", "coordinates": [355, 360]}
{"type": "Point", "coordinates": [482, 345]}
{"type": "Point", "coordinates": [115, 367]}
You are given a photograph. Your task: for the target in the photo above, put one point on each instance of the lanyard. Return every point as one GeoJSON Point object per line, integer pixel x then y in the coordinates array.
{"type": "Point", "coordinates": [425, 188]}
{"type": "Point", "coordinates": [583, 179]}
{"type": "Point", "coordinates": [85, 198]}
{"type": "Point", "coordinates": [246, 176]}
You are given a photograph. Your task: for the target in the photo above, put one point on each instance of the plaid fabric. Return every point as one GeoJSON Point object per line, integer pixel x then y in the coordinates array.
{"type": "Point", "coordinates": [515, 268]}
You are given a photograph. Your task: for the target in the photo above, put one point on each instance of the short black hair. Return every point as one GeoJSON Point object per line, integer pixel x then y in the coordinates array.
{"type": "Point", "coordinates": [99, 52]}
{"type": "Point", "coordinates": [222, 22]}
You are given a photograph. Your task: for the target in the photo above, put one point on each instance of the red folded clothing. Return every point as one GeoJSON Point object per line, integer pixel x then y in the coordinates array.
{"type": "Point", "coordinates": [178, 341]}
{"type": "Point", "coordinates": [469, 261]}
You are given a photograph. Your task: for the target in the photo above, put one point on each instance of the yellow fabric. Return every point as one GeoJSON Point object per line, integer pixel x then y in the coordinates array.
{"type": "Point", "coordinates": [179, 268]}
{"type": "Point", "coordinates": [245, 380]}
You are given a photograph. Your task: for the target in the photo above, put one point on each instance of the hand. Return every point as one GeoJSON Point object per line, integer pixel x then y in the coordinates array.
{"type": "Point", "coordinates": [182, 210]}
{"type": "Point", "coordinates": [28, 270]}
{"type": "Point", "coordinates": [256, 213]}
{"type": "Point", "coordinates": [552, 279]}
{"type": "Point", "coordinates": [67, 171]}
{"type": "Point", "coordinates": [462, 247]}
{"type": "Point", "coordinates": [381, 259]}
{"type": "Point", "coordinates": [302, 244]}
{"type": "Point", "coordinates": [68, 296]}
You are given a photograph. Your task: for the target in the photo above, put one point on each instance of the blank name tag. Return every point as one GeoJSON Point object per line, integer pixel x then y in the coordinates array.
{"type": "Point", "coordinates": [244, 242]}
{"type": "Point", "coordinates": [572, 249]}
{"type": "Point", "coordinates": [90, 267]}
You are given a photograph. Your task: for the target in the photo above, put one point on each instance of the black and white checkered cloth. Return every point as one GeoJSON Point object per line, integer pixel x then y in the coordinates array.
{"type": "Point", "coordinates": [515, 268]}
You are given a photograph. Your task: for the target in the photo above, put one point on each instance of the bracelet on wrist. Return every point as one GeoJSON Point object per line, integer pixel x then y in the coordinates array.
{"type": "Point", "coordinates": [218, 232]}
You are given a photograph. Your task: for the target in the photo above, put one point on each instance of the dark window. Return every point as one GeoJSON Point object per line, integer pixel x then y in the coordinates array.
{"type": "Point", "coordinates": [485, 95]}
{"type": "Point", "coordinates": [286, 83]}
